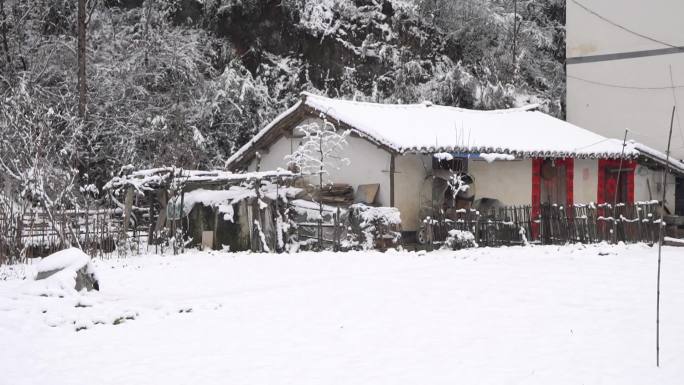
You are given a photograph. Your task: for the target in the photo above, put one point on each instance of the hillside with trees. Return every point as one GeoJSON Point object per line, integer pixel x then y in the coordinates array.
{"type": "Point", "coordinates": [186, 83]}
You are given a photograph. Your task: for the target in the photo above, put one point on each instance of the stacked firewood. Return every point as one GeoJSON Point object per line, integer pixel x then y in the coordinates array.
{"type": "Point", "coordinates": [337, 193]}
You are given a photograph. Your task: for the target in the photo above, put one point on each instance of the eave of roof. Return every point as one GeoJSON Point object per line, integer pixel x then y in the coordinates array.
{"type": "Point", "coordinates": [247, 148]}
{"type": "Point", "coordinates": [675, 165]}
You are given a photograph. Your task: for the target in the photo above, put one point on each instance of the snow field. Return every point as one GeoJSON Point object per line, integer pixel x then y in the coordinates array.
{"type": "Point", "coordinates": [519, 315]}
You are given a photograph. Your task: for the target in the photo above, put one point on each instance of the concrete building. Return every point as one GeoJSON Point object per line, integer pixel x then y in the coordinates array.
{"type": "Point", "coordinates": [625, 70]}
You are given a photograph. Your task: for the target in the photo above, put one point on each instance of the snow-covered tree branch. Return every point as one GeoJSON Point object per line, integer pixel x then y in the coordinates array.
{"type": "Point", "coordinates": [320, 149]}
{"type": "Point", "coordinates": [319, 153]}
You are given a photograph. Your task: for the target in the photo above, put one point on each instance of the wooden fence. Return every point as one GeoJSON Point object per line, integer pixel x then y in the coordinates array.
{"type": "Point", "coordinates": [35, 233]}
{"type": "Point", "coordinates": [552, 224]}
{"type": "Point", "coordinates": [320, 234]}
{"type": "Point", "coordinates": [101, 232]}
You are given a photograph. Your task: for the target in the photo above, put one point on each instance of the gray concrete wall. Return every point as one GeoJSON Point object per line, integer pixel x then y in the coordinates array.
{"type": "Point", "coordinates": [645, 177]}
{"type": "Point", "coordinates": [645, 109]}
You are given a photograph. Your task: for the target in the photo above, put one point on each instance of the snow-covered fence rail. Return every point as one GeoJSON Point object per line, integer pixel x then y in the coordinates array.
{"type": "Point", "coordinates": [592, 223]}
{"type": "Point", "coordinates": [551, 224]}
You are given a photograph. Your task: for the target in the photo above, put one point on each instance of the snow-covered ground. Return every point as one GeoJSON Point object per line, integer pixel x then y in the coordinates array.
{"type": "Point", "coordinates": [535, 315]}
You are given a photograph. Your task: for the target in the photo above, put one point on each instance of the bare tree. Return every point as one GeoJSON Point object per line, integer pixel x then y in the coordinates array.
{"type": "Point", "coordinates": [81, 58]}
{"type": "Point", "coordinates": [3, 34]}
{"type": "Point", "coordinates": [319, 153]}
{"type": "Point", "coordinates": [35, 152]}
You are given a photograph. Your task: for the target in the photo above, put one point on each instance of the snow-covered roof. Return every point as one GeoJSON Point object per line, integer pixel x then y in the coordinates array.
{"type": "Point", "coordinates": [224, 199]}
{"type": "Point", "coordinates": [152, 179]}
{"type": "Point", "coordinates": [659, 157]}
{"type": "Point", "coordinates": [429, 128]}
{"type": "Point", "coordinates": [239, 154]}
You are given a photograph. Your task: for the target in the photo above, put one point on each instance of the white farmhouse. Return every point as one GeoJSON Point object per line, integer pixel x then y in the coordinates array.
{"type": "Point", "coordinates": [517, 156]}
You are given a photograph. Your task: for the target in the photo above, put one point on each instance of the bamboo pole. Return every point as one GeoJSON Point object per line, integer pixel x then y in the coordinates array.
{"type": "Point", "coordinates": [660, 237]}
{"type": "Point", "coordinates": [617, 187]}
{"type": "Point", "coordinates": [182, 231]}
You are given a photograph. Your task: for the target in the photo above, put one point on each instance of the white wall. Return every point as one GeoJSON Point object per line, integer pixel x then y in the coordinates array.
{"type": "Point", "coordinates": [368, 163]}
{"type": "Point", "coordinates": [609, 110]}
{"type": "Point", "coordinates": [585, 182]}
{"type": "Point", "coordinates": [644, 177]}
{"type": "Point", "coordinates": [409, 182]}
{"type": "Point", "coordinates": [275, 156]}
{"type": "Point", "coordinates": [508, 181]}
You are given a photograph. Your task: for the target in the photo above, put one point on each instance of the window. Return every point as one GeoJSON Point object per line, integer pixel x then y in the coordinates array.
{"type": "Point", "coordinates": [459, 164]}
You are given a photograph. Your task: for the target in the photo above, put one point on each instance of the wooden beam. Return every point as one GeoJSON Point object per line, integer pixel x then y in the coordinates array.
{"type": "Point", "coordinates": [128, 206]}
{"type": "Point", "coordinates": [391, 174]}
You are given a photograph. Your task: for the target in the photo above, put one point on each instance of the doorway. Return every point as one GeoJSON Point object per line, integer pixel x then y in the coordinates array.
{"type": "Point", "coordinates": [679, 196]}
{"type": "Point", "coordinates": [616, 180]}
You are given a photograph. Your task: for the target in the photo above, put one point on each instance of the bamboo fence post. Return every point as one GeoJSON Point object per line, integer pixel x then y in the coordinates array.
{"type": "Point", "coordinates": [660, 235]}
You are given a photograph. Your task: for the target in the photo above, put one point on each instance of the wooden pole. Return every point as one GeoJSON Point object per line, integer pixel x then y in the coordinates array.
{"type": "Point", "coordinates": [320, 192]}
{"type": "Point", "coordinates": [392, 171]}
{"type": "Point", "coordinates": [515, 30]}
{"type": "Point", "coordinates": [182, 231]}
{"type": "Point", "coordinates": [214, 240]}
{"type": "Point", "coordinates": [617, 187]}
{"type": "Point", "coordinates": [128, 207]}
{"type": "Point", "coordinates": [276, 233]}
{"type": "Point", "coordinates": [660, 237]}
{"type": "Point", "coordinates": [336, 237]}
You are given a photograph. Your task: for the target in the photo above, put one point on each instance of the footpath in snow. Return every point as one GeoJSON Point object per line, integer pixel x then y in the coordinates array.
{"type": "Point", "coordinates": [519, 315]}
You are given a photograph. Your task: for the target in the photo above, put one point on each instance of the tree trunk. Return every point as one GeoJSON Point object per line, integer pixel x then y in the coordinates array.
{"type": "Point", "coordinates": [148, 14]}
{"type": "Point", "coordinates": [3, 34]}
{"type": "Point", "coordinates": [81, 58]}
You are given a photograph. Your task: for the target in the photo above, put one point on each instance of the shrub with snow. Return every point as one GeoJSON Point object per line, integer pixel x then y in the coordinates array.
{"type": "Point", "coordinates": [460, 239]}
{"type": "Point", "coordinates": [374, 226]}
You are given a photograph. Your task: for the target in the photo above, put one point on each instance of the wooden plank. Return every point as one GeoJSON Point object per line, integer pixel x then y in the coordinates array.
{"type": "Point", "coordinates": [366, 193]}
{"type": "Point", "coordinates": [392, 170]}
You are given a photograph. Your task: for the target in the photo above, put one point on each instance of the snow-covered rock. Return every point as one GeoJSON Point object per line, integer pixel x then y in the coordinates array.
{"type": "Point", "coordinates": [68, 269]}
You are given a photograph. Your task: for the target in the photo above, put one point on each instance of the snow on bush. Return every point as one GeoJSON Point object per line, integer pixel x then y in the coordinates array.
{"type": "Point", "coordinates": [372, 225]}
{"type": "Point", "coordinates": [460, 239]}
{"type": "Point", "coordinates": [381, 215]}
